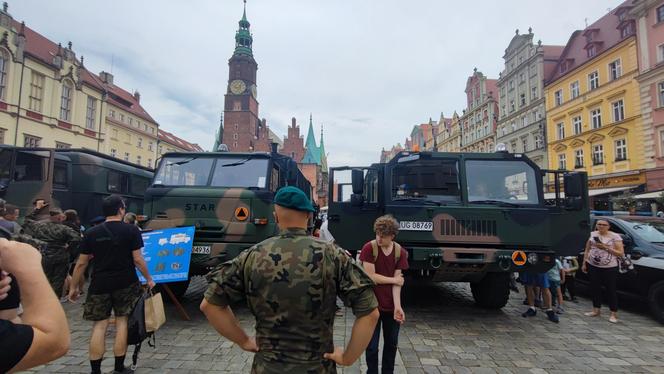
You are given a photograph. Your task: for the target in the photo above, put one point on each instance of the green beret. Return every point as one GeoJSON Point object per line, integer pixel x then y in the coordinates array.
{"type": "Point", "coordinates": [293, 198]}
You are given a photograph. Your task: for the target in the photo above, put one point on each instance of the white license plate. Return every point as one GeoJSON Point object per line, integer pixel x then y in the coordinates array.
{"type": "Point", "coordinates": [201, 249]}
{"type": "Point", "coordinates": [415, 226]}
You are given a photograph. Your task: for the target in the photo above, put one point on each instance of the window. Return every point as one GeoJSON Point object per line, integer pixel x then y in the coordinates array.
{"type": "Point", "coordinates": [598, 154]}
{"type": "Point", "coordinates": [627, 30]}
{"type": "Point", "coordinates": [131, 121]}
{"type": "Point", "coordinates": [434, 179]}
{"type": "Point", "coordinates": [138, 159]}
{"type": "Point", "coordinates": [661, 143]}
{"type": "Point", "coordinates": [237, 105]}
{"type": "Point", "coordinates": [30, 141]}
{"type": "Point", "coordinates": [60, 175]}
{"type": "Point", "coordinates": [496, 180]}
{"type": "Point", "coordinates": [36, 92]}
{"type": "Point", "coordinates": [593, 80]}
{"type": "Point", "coordinates": [117, 182]}
{"type": "Point", "coordinates": [161, 149]}
{"type": "Point", "coordinates": [522, 78]}
{"type": "Point", "coordinates": [4, 66]}
{"type": "Point", "coordinates": [578, 158]}
{"type": "Point", "coordinates": [140, 142]}
{"type": "Point", "coordinates": [562, 161]}
{"type": "Point", "coordinates": [660, 53]}
{"type": "Point", "coordinates": [621, 149]}
{"type": "Point", "coordinates": [59, 145]}
{"type": "Point", "coordinates": [618, 110]}
{"type": "Point", "coordinates": [578, 126]}
{"type": "Point", "coordinates": [615, 70]}
{"type": "Point", "coordinates": [31, 166]}
{"type": "Point", "coordinates": [592, 51]}
{"type": "Point", "coordinates": [596, 118]}
{"type": "Point", "coordinates": [150, 145]}
{"type": "Point", "coordinates": [145, 127]}
{"type": "Point", "coordinates": [538, 142]}
{"type": "Point", "coordinates": [90, 113]}
{"type": "Point", "coordinates": [660, 14]}
{"type": "Point", "coordinates": [524, 144]}
{"type": "Point", "coordinates": [2, 136]}
{"type": "Point", "coordinates": [149, 164]}
{"type": "Point", "coordinates": [152, 130]}
{"type": "Point", "coordinates": [558, 96]}
{"type": "Point", "coordinates": [561, 130]}
{"type": "Point", "coordinates": [65, 100]}
{"type": "Point", "coordinates": [574, 89]}
{"type": "Point", "coordinates": [114, 152]}
{"type": "Point", "coordinates": [122, 118]}
{"type": "Point", "coordinates": [126, 157]}
{"type": "Point", "coordinates": [533, 93]}
{"type": "Point", "coordinates": [523, 99]}
{"type": "Point", "coordinates": [235, 136]}
{"type": "Point", "coordinates": [511, 106]}
{"type": "Point", "coordinates": [660, 89]}
{"type": "Point", "coordinates": [111, 113]}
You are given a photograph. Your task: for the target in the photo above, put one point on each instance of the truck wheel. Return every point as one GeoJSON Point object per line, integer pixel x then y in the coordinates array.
{"type": "Point", "coordinates": [178, 289]}
{"type": "Point", "coordinates": [492, 291]}
{"type": "Point", "coordinates": [656, 301]}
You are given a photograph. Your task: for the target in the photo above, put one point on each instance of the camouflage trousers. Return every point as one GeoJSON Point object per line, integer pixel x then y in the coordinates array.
{"type": "Point", "coordinates": [98, 307]}
{"type": "Point", "coordinates": [55, 268]}
{"type": "Point", "coordinates": [261, 366]}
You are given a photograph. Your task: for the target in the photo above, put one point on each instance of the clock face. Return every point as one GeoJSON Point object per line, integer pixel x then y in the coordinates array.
{"type": "Point", "coordinates": [238, 86]}
{"type": "Point", "coordinates": [253, 91]}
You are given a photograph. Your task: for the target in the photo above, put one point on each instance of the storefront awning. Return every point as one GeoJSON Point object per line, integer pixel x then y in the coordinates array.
{"type": "Point", "coordinates": [649, 195]}
{"type": "Point", "coordinates": [591, 193]}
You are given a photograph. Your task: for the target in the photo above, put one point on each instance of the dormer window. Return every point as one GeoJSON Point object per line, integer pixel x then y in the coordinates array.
{"type": "Point", "coordinates": [592, 50]}
{"type": "Point", "coordinates": [627, 30]}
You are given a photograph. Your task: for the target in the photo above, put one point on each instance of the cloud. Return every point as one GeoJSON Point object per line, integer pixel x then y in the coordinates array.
{"type": "Point", "coordinates": [368, 71]}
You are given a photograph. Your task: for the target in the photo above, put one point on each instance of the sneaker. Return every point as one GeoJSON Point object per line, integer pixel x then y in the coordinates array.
{"type": "Point", "coordinates": [560, 310]}
{"type": "Point", "coordinates": [551, 315]}
{"type": "Point", "coordinates": [529, 313]}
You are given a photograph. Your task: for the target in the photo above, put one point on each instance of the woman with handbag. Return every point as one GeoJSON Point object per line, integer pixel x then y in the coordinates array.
{"type": "Point", "coordinates": [600, 261]}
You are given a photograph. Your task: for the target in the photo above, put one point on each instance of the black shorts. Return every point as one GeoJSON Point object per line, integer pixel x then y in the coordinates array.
{"type": "Point", "coordinates": [13, 299]}
{"type": "Point", "coordinates": [98, 306]}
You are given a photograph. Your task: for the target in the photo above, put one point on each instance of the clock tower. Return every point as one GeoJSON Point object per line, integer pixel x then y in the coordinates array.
{"type": "Point", "coordinates": [243, 130]}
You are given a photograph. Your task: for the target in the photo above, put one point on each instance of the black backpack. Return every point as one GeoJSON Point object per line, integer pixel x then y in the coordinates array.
{"type": "Point", "coordinates": [136, 332]}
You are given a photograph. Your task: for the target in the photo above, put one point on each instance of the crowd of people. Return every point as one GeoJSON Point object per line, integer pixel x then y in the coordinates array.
{"type": "Point", "coordinates": [291, 283]}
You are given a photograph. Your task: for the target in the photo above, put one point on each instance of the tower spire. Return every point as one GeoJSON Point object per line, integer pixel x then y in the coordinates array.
{"type": "Point", "coordinates": [243, 38]}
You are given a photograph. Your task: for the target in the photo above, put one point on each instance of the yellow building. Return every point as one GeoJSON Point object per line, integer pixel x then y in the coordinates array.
{"type": "Point", "coordinates": [593, 104]}
{"type": "Point", "coordinates": [449, 135]}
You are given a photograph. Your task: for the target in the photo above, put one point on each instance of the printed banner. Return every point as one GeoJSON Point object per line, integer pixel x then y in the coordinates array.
{"type": "Point", "coordinates": [167, 253]}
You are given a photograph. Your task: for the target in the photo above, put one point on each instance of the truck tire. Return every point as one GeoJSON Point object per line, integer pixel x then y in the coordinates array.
{"type": "Point", "coordinates": [656, 301]}
{"type": "Point", "coordinates": [178, 289]}
{"type": "Point", "coordinates": [492, 291]}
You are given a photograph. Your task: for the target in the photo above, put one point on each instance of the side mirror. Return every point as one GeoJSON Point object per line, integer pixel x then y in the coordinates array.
{"type": "Point", "coordinates": [356, 200]}
{"type": "Point", "coordinates": [358, 181]}
{"type": "Point", "coordinates": [291, 173]}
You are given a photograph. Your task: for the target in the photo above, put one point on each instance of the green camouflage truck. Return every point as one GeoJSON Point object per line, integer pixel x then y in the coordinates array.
{"type": "Point", "coordinates": [464, 217]}
{"type": "Point", "coordinates": [226, 196]}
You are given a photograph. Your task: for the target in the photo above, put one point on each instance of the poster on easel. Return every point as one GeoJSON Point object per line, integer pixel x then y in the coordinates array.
{"type": "Point", "coordinates": [167, 253]}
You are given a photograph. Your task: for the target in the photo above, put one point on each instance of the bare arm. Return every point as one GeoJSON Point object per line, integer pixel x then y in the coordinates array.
{"type": "Point", "coordinates": [363, 330]}
{"type": "Point", "coordinates": [77, 276]}
{"type": "Point", "coordinates": [42, 309]}
{"type": "Point", "coordinates": [586, 252]}
{"type": "Point", "coordinates": [139, 262]}
{"type": "Point", "coordinates": [619, 249]}
{"type": "Point", "coordinates": [224, 322]}
{"type": "Point", "coordinates": [396, 290]}
{"type": "Point", "coordinates": [370, 269]}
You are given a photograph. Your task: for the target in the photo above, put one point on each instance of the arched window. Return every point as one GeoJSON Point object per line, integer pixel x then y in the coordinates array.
{"type": "Point", "coordinates": [4, 69]}
{"type": "Point", "coordinates": [65, 100]}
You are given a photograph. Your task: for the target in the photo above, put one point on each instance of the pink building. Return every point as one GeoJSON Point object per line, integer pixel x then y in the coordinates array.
{"type": "Point", "coordinates": [649, 22]}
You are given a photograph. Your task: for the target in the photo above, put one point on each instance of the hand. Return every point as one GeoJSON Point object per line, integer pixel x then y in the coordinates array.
{"type": "Point", "coordinates": [584, 267]}
{"type": "Point", "coordinates": [336, 356]}
{"type": "Point", "coordinates": [151, 284]}
{"type": "Point", "coordinates": [40, 204]}
{"type": "Point", "coordinates": [399, 315]}
{"type": "Point", "coordinates": [73, 294]}
{"type": "Point", "coordinates": [398, 280]}
{"type": "Point", "coordinates": [250, 345]}
{"type": "Point", "coordinates": [5, 285]}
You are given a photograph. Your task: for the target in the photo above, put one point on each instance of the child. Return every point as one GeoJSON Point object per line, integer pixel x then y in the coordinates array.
{"type": "Point", "coordinates": [570, 266]}
{"type": "Point", "coordinates": [383, 260]}
{"type": "Point", "coordinates": [556, 274]}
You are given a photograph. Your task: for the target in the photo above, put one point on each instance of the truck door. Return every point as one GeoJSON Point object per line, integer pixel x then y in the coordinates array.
{"type": "Point", "coordinates": [31, 178]}
{"type": "Point", "coordinates": [354, 203]}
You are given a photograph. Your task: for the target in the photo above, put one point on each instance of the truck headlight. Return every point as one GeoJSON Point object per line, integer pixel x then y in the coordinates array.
{"type": "Point", "coordinates": [532, 258]}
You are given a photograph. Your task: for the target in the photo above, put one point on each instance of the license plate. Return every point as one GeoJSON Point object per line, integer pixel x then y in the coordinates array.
{"type": "Point", "coordinates": [201, 249]}
{"type": "Point", "coordinates": [415, 226]}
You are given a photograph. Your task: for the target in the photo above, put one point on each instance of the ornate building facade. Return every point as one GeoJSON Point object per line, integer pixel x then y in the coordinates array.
{"type": "Point", "coordinates": [449, 135]}
{"type": "Point", "coordinates": [478, 122]}
{"type": "Point", "coordinates": [522, 119]}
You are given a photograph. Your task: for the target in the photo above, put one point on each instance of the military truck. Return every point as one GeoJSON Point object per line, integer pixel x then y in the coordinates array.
{"type": "Point", "coordinates": [226, 196]}
{"type": "Point", "coordinates": [70, 179]}
{"type": "Point", "coordinates": [464, 217]}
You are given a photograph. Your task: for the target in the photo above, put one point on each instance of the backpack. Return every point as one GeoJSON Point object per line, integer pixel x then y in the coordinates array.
{"type": "Point", "coordinates": [374, 251]}
{"type": "Point", "coordinates": [136, 332]}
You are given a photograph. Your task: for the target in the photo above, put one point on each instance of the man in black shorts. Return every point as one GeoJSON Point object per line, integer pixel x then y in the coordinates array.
{"type": "Point", "coordinates": [43, 335]}
{"type": "Point", "coordinates": [116, 247]}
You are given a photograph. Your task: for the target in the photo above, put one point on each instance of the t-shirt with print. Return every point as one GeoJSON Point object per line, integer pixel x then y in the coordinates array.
{"type": "Point", "coordinates": [599, 257]}
{"type": "Point", "coordinates": [385, 266]}
{"type": "Point", "coordinates": [113, 267]}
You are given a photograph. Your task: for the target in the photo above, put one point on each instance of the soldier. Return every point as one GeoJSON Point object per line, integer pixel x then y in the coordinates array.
{"type": "Point", "coordinates": [55, 258]}
{"type": "Point", "coordinates": [291, 282]}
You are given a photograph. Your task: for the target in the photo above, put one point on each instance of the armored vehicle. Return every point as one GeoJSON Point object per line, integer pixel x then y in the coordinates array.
{"type": "Point", "coordinates": [226, 196]}
{"type": "Point", "coordinates": [70, 179]}
{"type": "Point", "coordinates": [464, 217]}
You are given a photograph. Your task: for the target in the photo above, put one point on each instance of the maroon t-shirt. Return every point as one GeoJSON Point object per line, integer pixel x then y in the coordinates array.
{"type": "Point", "coordinates": [385, 266]}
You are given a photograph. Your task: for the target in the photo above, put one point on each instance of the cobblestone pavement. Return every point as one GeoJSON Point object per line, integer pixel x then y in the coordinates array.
{"type": "Point", "coordinates": [444, 333]}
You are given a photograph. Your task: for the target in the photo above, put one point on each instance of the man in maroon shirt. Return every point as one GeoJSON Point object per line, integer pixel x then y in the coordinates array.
{"type": "Point", "coordinates": [383, 259]}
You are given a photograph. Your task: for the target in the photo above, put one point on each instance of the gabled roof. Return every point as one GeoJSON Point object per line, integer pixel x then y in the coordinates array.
{"type": "Point", "coordinates": [604, 31]}
{"type": "Point", "coordinates": [169, 138]}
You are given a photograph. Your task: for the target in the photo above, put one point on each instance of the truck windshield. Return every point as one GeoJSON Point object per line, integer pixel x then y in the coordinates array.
{"type": "Point", "coordinates": [501, 181]}
{"type": "Point", "coordinates": [184, 171]}
{"type": "Point", "coordinates": [240, 172]}
{"type": "Point", "coordinates": [436, 180]}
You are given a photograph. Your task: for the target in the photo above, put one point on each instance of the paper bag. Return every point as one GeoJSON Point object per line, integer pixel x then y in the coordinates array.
{"type": "Point", "coordinates": [154, 313]}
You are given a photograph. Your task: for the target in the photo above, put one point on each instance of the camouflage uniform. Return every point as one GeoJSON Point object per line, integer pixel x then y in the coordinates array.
{"type": "Point", "coordinates": [290, 283]}
{"type": "Point", "coordinates": [55, 257]}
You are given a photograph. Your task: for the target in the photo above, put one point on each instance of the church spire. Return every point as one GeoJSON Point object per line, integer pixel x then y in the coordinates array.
{"type": "Point", "coordinates": [243, 38]}
{"type": "Point", "coordinates": [312, 154]}
{"type": "Point", "coordinates": [323, 156]}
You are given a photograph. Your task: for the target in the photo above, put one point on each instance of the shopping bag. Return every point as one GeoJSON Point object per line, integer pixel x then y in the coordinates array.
{"type": "Point", "coordinates": [154, 312]}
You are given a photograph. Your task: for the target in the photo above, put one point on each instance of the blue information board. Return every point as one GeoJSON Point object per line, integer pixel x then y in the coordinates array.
{"type": "Point", "coordinates": [167, 253]}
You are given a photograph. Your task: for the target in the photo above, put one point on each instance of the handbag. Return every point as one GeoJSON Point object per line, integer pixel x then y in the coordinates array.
{"type": "Point", "coordinates": [625, 264]}
{"type": "Point", "coordinates": [154, 312]}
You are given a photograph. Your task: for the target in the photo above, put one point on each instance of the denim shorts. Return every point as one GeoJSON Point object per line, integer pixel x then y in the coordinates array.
{"type": "Point", "coordinates": [554, 284]}
{"type": "Point", "coordinates": [535, 279]}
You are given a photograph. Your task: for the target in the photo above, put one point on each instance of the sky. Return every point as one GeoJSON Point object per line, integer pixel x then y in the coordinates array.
{"type": "Point", "coordinates": [367, 70]}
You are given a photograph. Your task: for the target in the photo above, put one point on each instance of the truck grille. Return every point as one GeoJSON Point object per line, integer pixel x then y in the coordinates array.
{"type": "Point", "coordinates": [468, 227]}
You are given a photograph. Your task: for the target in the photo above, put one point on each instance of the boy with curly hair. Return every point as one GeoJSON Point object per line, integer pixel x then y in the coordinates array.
{"type": "Point", "coordinates": [384, 259]}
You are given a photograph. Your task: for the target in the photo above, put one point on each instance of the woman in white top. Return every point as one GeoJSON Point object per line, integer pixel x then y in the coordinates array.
{"type": "Point", "coordinates": [600, 261]}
